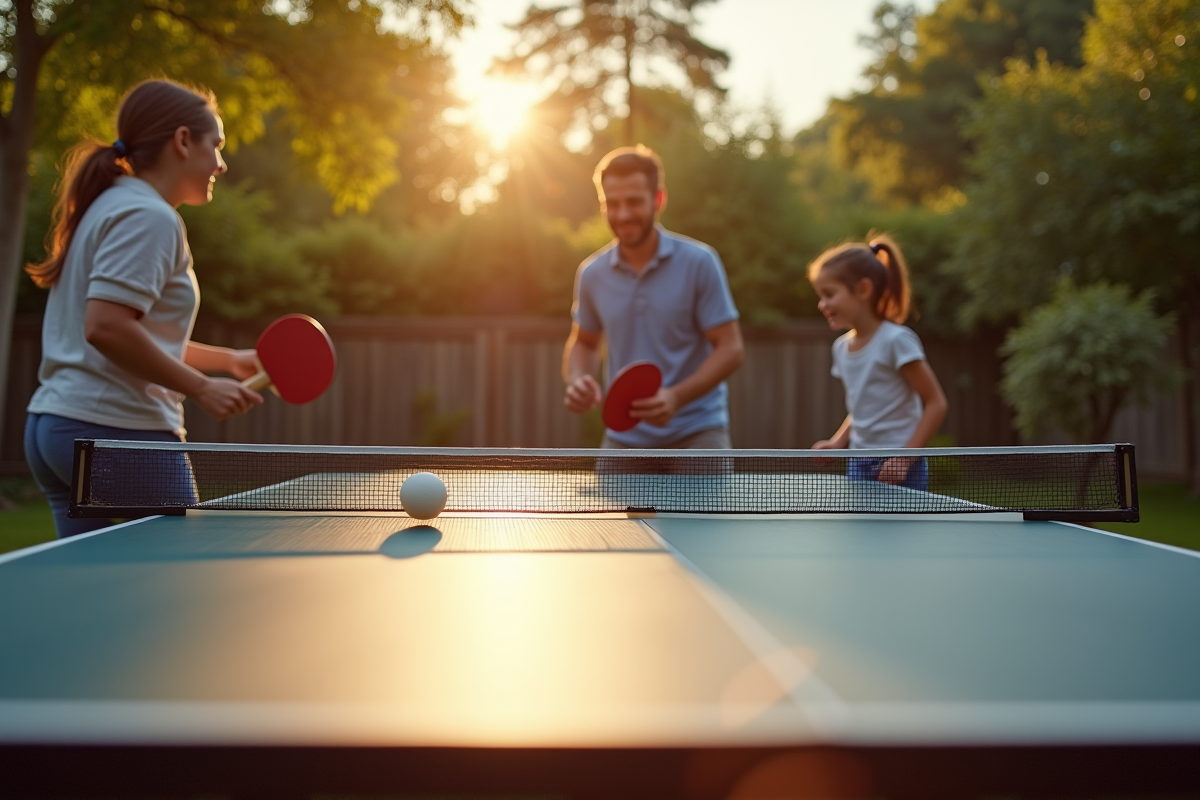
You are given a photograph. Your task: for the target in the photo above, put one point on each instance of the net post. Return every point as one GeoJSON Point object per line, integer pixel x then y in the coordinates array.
{"type": "Point", "coordinates": [1127, 493]}
{"type": "Point", "coordinates": [81, 484]}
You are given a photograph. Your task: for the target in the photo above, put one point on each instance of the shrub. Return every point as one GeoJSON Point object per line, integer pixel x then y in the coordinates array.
{"type": "Point", "coordinates": [1073, 362]}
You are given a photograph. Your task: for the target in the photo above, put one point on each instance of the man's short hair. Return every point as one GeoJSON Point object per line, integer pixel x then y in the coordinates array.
{"type": "Point", "coordinates": [631, 161]}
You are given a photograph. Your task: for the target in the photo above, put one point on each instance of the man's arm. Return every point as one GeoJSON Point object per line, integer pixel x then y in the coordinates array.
{"type": "Point", "coordinates": [581, 360]}
{"type": "Point", "coordinates": [727, 355]}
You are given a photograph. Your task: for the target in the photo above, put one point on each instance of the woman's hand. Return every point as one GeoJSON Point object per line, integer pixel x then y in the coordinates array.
{"type": "Point", "coordinates": [224, 397]}
{"type": "Point", "coordinates": [243, 364]}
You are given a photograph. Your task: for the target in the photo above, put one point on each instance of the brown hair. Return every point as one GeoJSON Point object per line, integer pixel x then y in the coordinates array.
{"type": "Point", "coordinates": [631, 161]}
{"type": "Point", "coordinates": [879, 261]}
{"type": "Point", "coordinates": [147, 119]}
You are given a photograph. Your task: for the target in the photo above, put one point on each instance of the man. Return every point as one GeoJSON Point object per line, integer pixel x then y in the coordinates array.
{"type": "Point", "coordinates": [659, 297]}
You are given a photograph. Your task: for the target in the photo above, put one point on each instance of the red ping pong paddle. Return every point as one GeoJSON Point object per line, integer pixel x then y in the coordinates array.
{"type": "Point", "coordinates": [296, 358]}
{"type": "Point", "coordinates": [637, 381]}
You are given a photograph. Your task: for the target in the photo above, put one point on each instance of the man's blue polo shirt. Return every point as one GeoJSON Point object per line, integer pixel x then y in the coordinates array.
{"type": "Point", "coordinates": [659, 315]}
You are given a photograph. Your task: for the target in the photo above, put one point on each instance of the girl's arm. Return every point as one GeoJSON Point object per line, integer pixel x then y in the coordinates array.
{"type": "Point", "coordinates": [115, 331]}
{"type": "Point", "coordinates": [839, 441]}
{"type": "Point", "coordinates": [921, 378]}
{"type": "Point", "coordinates": [207, 358]}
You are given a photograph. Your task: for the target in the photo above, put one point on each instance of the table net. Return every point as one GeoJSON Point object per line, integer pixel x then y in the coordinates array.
{"type": "Point", "coordinates": [126, 479]}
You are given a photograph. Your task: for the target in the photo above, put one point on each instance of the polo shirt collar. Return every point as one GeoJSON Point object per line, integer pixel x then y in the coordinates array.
{"type": "Point", "coordinates": [666, 246]}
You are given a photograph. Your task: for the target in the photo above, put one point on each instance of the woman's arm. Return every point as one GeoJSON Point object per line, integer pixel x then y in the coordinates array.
{"type": "Point", "coordinates": [241, 364]}
{"type": "Point", "coordinates": [115, 331]}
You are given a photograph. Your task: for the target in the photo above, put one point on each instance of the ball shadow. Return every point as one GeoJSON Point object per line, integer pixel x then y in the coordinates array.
{"type": "Point", "coordinates": [411, 542]}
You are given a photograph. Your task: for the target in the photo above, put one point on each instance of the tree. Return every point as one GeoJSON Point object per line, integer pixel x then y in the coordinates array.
{"type": "Point", "coordinates": [1075, 361]}
{"type": "Point", "coordinates": [905, 132]}
{"type": "Point", "coordinates": [247, 268]}
{"type": "Point", "coordinates": [65, 64]}
{"type": "Point", "coordinates": [591, 49]}
{"type": "Point", "coordinates": [736, 193]}
{"type": "Point", "coordinates": [1093, 173]}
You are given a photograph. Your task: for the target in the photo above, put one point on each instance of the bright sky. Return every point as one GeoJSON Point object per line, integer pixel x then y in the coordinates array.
{"type": "Point", "coordinates": [796, 54]}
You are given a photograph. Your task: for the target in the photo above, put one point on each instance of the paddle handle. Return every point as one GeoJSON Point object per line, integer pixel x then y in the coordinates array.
{"type": "Point", "coordinates": [258, 382]}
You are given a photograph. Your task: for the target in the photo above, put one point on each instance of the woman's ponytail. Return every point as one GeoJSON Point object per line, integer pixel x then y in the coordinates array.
{"type": "Point", "coordinates": [89, 168]}
{"type": "Point", "coordinates": [892, 303]}
{"type": "Point", "coordinates": [149, 115]}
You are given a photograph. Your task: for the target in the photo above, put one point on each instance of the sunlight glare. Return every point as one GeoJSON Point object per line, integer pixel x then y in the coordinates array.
{"type": "Point", "coordinates": [501, 109]}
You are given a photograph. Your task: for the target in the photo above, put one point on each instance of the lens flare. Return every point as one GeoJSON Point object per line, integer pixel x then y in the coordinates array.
{"type": "Point", "coordinates": [502, 109]}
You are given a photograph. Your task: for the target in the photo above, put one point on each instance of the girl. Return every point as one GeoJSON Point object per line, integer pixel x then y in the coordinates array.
{"type": "Point", "coordinates": [117, 358]}
{"type": "Point", "coordinates": [892, 395]}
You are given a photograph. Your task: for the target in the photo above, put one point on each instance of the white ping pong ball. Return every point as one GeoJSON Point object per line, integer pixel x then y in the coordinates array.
{"type": "Point", "coordinates": [423, 495]}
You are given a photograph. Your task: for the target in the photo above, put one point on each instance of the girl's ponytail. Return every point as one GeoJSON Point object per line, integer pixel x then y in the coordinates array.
{"type": "Point", "coordinates": [149, 115]}
{"type": "Point", "coordinates": [90, 167]}
{"type": "Point", "coordinates": [893, 301]}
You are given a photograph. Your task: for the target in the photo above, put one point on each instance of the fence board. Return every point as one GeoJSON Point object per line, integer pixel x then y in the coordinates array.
{"type": "Point", "coordinates": [505, 372]}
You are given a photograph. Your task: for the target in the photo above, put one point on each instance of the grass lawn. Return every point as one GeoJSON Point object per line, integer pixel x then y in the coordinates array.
{"type": "Point", "coordinates": [1169, 515]}
{"type": "Point", "coordinates": [31, 523]}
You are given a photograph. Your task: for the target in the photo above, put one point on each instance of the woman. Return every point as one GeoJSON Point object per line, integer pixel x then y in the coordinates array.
{"type": "Point", "coordinates": [117, 359]}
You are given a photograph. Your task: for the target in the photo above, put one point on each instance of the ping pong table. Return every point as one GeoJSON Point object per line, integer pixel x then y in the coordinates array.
{"type": "Point", "coordinates": [597, 624]}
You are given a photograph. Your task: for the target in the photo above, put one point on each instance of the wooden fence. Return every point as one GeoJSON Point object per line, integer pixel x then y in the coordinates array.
{"type": "Point", "coordinates": [495, 382]}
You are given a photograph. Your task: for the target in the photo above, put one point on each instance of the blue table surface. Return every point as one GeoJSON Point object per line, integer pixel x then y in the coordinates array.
{"type": "Point", "coordinates": [502, 630]}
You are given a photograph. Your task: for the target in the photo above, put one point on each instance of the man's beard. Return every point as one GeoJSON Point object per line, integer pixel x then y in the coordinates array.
{"type": "Point", "coordinates": [643, 235]}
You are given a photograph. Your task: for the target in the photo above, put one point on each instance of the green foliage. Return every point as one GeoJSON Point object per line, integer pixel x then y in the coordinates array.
{"type": "Point", "coordinates": [1074, 361]}
{"type": "Point", "coordinates": [364, 266]}
{"type": "Point", "coordinates": [499, 261]}
{"type": "Point", "coordinates": [1168, 515]}
{"type": "Point", "coordinates": [1090, 172]}
{"type": "Point", "coordinates": [245, 268]}
{"type": "Point", "coordinates": [437, 428]}
{"type": "Point", "coordinates": [904, 134]}
{"type": "Point", "coordinates": [516, 256]}
{"type": "Point", "coordinates": [344, 112]}
{"type": "Point", "coordinates": [494, 262]}
{"type": "Point", "coordinates": [827, 186]}
{"type": "Point", "coordinates": [738, 197]}
{"type": "Point", "coordinates": [838, 203]}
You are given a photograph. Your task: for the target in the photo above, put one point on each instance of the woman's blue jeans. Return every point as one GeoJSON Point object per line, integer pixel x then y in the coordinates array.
{"type": "Point", "coordinates": [50, 452]}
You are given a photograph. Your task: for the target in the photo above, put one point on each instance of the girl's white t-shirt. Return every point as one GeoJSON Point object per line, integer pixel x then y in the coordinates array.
{"type": "Point", "coordinates": [884, 409]}
{"type": "Point", "coordinates": [130, 248]}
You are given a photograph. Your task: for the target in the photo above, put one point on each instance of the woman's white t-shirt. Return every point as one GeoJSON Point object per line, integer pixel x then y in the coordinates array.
{"type": "Point", "coordinates": [884, 409]}
{"type": "Point", "coordinates": [130, 248]}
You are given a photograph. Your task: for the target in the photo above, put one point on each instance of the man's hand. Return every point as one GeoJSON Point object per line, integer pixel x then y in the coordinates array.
{"type": "Point", "coordinates": [826, 444]}
{"type": "Point", "coordinates": [583, 394]}
{"type": "Point", "coordinates": [657, 410]}
{"type": "Point", "coordinates": [895, 470]}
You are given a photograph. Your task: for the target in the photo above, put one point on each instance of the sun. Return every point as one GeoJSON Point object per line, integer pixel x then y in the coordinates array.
{"type": "Point", "coordinates": [501, 109]}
